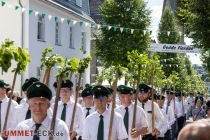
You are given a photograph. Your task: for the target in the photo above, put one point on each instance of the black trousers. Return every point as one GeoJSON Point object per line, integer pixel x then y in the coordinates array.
{"type": "Point", "coordinates": [160, 138]}
{"type": "Point", "coordinates": [181, 122]}
{"type": "Point", "coordinates": [149, 137]}
{"type": "Point", "coordinates": [168, 135]}
{"type": "Point", "coordinates": [173, 131]}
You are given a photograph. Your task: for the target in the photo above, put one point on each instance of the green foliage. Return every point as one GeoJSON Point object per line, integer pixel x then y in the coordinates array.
{"type": "Point", "coordinates": [122, 13]}
{"type": "Point", "coordinates": [168, 23]}
{"type": "Point", "coordinates": [22, 58]}
{"type": "Point", "coordinates": [6, 54]}
{"type": "Point", "coordinates": [9, 52]}
{"type": "Point", "coordinates": [49, 59]}
{"type": "Point", "coordinates": [182, 12]}
{"type": "Point", "coordinates": [83, 64]}
{"type": "Point", "coordinates": [100, 77]}
{"type": "Point", "coordinates": [109, 75]}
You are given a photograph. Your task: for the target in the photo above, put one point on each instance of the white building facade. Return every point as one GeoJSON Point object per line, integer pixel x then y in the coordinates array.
{"type": "Point", "coordinates": [46, 24]}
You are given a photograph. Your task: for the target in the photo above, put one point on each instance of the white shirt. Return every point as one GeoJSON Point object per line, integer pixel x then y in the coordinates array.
{"type": "Point", "coordinates": [23, 102]}
{"type": "Point", "coordinates": [20, 112]}
{"type": "Point", "coordinates": [84, 109]}
{"type": "Point", "coordinates": [159, 118]}
{"type": "Point", "coordinates": [78, 119]}
{"type": "Point", "coordinates": [60, 129]}
{"type": "Point", "coordinates": [170, 115]}
{"type": "Point", "coordinates": [141, 118]}
{"type": "Point", "coordinates": [165, 125]}
{"type": "Point", "coordinates": [4, 105]}
{"type": "Point", "coordinates": [172, 106]}
{"type": "Point", "coordinates": [91, 126]}
{"type": "Point", "coordinates": [179, 108]}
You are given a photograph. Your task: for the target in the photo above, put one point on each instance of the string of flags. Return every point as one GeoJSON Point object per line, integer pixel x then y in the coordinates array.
{"type": "Point", "coordinates": [82, 23]}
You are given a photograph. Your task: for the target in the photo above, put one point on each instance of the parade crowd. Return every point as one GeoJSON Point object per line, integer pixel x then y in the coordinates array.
{"type": "Point", "coordinates": [158, 117]}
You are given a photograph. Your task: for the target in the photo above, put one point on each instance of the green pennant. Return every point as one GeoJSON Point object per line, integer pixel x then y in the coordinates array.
{"type": "Point", "coordinates": [43, 15]}
{"type": "Point", "coordinates": [92, 25]}
{"type": "Point", "coordinates": [81, 23]}
{"type": "Point", "coordinates": [3, 3]}
{"type": "Point", "coordinates": [16, 7]}
{"type": "Point", "coordinates": [56, 18]}
{"type": "Point", "coordinates": [68, 21]}
{"type": "Point", "coordinates": [115, 28]}
{"type": "Point", "coordinates": [126, 30]}
{"type": "Point", "coordinates": [30, 11]}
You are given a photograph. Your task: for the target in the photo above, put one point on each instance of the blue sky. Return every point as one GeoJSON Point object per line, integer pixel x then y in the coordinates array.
{"type": "Point", "coordinates": [156, 7]}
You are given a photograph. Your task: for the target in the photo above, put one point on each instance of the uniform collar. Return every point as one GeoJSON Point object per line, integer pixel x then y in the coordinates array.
{"type": "Point", "coordinates": [103, 114]}
{"type": "Point", "coordinates": [5, 99]}
{"type": "Point", "coordinates": [45, 123]}
{"type": "Point", "coordinates": [129, 107]}
{"type": "Point", "coordinates": [69, 102]}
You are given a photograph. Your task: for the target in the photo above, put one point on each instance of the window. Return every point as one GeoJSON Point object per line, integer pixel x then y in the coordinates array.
{"type": "Point", "coordinates": [71, 38]}
{"type": "Point", "coordinates": [83, 42]}
{"type": "Point", "coordinates": [41, 28]}
{"type": "Point", "coordinates": [79, 3]}
{"type": "Point", "coordinates": [57, 33]}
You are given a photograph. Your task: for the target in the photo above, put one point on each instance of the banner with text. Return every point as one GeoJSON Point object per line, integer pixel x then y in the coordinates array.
{"type": "Point", "coordinates": [173, 48]}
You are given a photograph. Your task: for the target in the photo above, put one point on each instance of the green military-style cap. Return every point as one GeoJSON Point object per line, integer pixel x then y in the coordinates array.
{"type": "Point", "coordinates": [110, 90]}
{"type": "Point", "coordinates": [144, 88]}
{"type": "Point", "coordinates": [39, 89]}
{"type": "Point", "coordinates": [66, 84]}
{"type": "Point", "coordinates": [3, 84]}
{"type": "Point", "coordinates": [158, 97]}
{"type": "Point", "coordinates": [28, 83]}
{"type": "Point", "coordinates": [123, 89]}
{"type": "Point", "coordinates": [87, 92]}
{"type": "Point", "coordinates": [100, 92]}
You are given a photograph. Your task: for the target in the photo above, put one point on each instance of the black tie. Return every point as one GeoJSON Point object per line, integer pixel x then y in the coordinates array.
{"type": "Point", "coordinates": [36, 136]}
{"type": "Point", "coordinates": [143, 105]}
{"type": "Point", "coordinates": [63, 114]}
{"type": "Point", "coordinates": [100, 135]}
{"type": "Point", "coordinates": [28, 114]}
{"type": "Point", "coordinates": [88, 112]}
{"type": "Point", "coordinates": [0, 115]}
{"type": "Point", "coordinates": [126, 118]}
{"type": "Point", "coordinates": [108, 106]}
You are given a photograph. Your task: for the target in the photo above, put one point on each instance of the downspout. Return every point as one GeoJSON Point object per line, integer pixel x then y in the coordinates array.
{"type": "Point", "coordinates": [22, 45]}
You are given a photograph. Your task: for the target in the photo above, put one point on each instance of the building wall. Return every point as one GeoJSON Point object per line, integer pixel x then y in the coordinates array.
{"type": "Point", "coordinates": [36, 47]}
{"type": "Point", "coordinates": [11, 27]}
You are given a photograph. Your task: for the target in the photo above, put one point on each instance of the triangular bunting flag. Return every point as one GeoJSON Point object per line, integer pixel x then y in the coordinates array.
{"type": "Point", "coordinates": [36, 13]}
{"type": "Point", "coordinates": [81, 23]}
{"type": "Point", "coordinates": [98, 26]}
{"type": "Point", "coordinates": [43, 15]}
{"type": "Point", "coordinates": [92, 25]}
{"type": "Point", "coordinates": [23, 10]}
{"type": "Point", "coordinates": [132, 30]}
{"type": "Point", "coordinates": [9, 6]}
{"type": "Point", "coordinates": [3, 3]}
{"type": "Point", "coordinates": [168, 33]}
{"type": "Point", "coordinates": [17, 7]}
{"type": "Point", "coordinates": [30, 11]}
{"type": "Point", "coordinates": [144, 32]}
{"type": "Point", "coordinates": [50, 17]}
{"type": "Point", "coordinates": [109, 27]}
{"type": "Point", "coordinates": [74, 22]}
{"type": "Point", "coordinates": [115, 28]}
{"type": "Point", "coordinates": [62, 20]}
{"type": "Point", "coordinates": [121, 29]}
{"type": "Point", "coordinates": [56, 18]}
{"type": "Point", "coordinates": [68, 21]}
{"type": "Point", "coordinates": [126, 30]}
{"type": "Point", "coordinates": [86, 24]}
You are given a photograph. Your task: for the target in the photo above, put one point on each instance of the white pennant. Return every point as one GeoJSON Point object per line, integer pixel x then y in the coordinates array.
{"type": "Point", "coordinates": [169, 65]}
{"type": "Point", "coordinates": [132, 30]}
{"type": "Point", "coordinates": [50, 17]}
{"type": "Point", "coordinates": [109, 27]}
{"type": "Point", "coordinates": [9, 6]}
{"type": "Point", "coordinates": [180, 33]}
{"type": "Point", "coordinates": [74, 22]}
{"type": "Point", "coordinates": [168, 33]}
{"type": "Point", "coordinates": [145, 32]}
{"type": "Point", "coordinates": [86, 24]}
{"type": "Point", "coordinates": [36, 13]}
{"type": "Point", "coordinates": [62, 19]}
{"type": "Point", "coordinates": [165, 60]}
{"type": "Point", "coordinates": [121, 29]}
{"type": "Point", "coordinates": [177, 66]}
{"type": "Point", "coordinates": [98, 26]}
{"type": "Point", "coordinates": [23, 10]}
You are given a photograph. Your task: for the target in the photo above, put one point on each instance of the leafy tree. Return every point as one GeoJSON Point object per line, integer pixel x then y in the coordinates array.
{"type": "Point", "coordinates": [169, 34]}
{"type": "Point", "coordinates": [128, 14]}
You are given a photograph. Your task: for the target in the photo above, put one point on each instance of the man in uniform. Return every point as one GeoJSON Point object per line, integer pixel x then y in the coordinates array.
{"type": "Point", "coordinates": [87, 97]}
{"type": "Point", "coordinates": [22, 112]}
{"type": "Point", "coordinates": [146, 104]}
{"type": "Point", "coordinates": [4, 100]}
{"type": "Point", "coordinates": [97, 124]}
{"type": "Point", "coordinates": [181, 108]}
{"type": "Point", "coordinates": [126, 110]}
{"type": "Point", "coordinates": [65, 109]}
{"type": "Point", "coordinates": [38, 127]}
